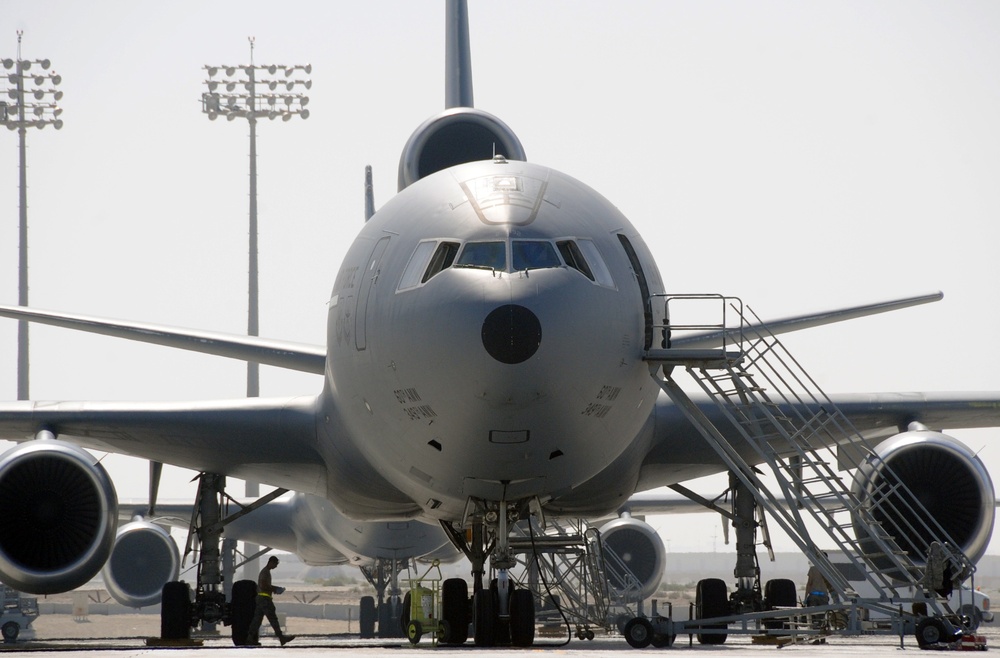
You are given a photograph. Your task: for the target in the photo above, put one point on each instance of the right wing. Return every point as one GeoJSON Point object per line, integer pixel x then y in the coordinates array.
{"type": "Point", "coordinates": [283, 354]}
{"type": "Point", "coordinates": [272, 441]}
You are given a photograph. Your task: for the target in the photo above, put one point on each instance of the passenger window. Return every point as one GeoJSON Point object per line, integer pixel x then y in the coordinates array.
{"type": "Point", "coordinates": [417, 265]}
{"type": "Point", "coordinates": [442, 259]}
{"type": "Point", "coordinates": [533, 255]}
{"type": "Point", "coordinates": [486, 255]}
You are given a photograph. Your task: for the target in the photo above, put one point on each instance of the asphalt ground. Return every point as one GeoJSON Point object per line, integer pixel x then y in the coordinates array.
{"type": "Point", "coordinates": [322, 645]}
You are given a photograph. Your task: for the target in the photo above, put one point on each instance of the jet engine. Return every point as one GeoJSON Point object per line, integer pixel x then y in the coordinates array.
{"type": "Point", "coordinates": [60, 511]}
{"type": "Point", "coordinates": [634, 555]}
{"type": "Point", "coordinates": [456, 136]}
{"type": "Point", "coordinates": [143, 559]}
{"type": "Point", "coordinates": [947, 478]}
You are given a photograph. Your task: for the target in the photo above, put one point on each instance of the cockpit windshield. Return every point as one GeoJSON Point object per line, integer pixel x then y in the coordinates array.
{"type": "Point", "coordinates": [431, 257]}
{"type": "Point", "coordinates": [533, 255]}
{"type": "Point", "coordinates": [487, 255]}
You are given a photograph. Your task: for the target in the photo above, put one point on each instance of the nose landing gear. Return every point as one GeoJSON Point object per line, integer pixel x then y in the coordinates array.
{"type": "Point", "coordinates": [502, 613]}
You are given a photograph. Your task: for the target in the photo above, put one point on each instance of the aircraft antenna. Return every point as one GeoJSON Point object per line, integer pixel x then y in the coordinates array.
{"type": "Point", "coordinates": [369, 193]}
{"type": "Point", "coordinates": [458, 56]}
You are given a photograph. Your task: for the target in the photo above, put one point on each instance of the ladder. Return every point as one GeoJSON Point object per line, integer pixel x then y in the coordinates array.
{"type": "Point", "coordinates": [778, 416]}
{"type": "Point", "coordinates": [566, 563]}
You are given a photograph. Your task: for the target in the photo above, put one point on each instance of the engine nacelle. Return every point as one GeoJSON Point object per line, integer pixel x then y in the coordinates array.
{"type": "Point", "coordinates": [950, 481]}
{"type": "Point", "coordinates": [638, 546]}
{"type": "Point", "coordinates": [59, 511]}
{"type": "Point", "coordinates": [143, 559]}
{"type": "Point", "coordinates": [456, 136]}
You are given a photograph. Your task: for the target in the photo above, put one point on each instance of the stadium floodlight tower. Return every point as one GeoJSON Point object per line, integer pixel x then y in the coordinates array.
{"type": "Point", "coordinates": [254, 92]}
{"type": "Point", "coordinates": [30, 102]}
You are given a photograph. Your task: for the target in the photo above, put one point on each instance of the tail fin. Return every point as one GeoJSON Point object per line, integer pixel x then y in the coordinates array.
{"type": "Point", "coordinates": [458, 56]}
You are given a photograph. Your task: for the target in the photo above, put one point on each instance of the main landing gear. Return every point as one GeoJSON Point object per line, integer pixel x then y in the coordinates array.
{"type": "Point", "coordinates": [501, 612]}
{"type": "Point", "coordinates": [179, 610]}
{"type": "Point", "coordinates": [386, 613]}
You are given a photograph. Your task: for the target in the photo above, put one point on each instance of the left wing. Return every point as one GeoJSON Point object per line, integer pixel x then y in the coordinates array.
{"type": "Point", "coordinates": [272, 441]}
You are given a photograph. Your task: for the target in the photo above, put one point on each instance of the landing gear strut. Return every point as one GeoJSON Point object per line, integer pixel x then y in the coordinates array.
{"type": "Point", "coordinates": [178, 612]}
{"type": "Point", "coordinates": [501, 612]}
{"type": "Point", "coordinates": [387, 613]}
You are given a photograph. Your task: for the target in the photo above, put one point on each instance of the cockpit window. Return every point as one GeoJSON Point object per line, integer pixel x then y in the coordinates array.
{"type": "Point", "coordinates": [487, 255]}
{"type": "Point", "coordinates": [533, 255]}
{"type": "Point", "coordinates": [443, 257]}
{"type": "Point", "coordinates": [571, 254]}
{"type": "Point", "coordinates": [417, 265]}
{"type": "Point", "coordinates": [582, 255]}
{"type": "Point", "coordinates": [428, 258]}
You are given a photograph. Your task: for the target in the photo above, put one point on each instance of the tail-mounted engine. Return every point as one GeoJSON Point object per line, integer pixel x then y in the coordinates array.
{"type": "Point", "coordinates": [950, 482]}
{"type": "Point", "coordinates": [143, 559]}
{"type": "Point", "coordinates": [634, 555]}
{"type": "Point", "coordinates": [456, 136]}
{"type": "Point", "coordinates": [60, 511]}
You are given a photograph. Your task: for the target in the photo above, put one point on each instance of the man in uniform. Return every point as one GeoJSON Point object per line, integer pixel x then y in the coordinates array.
{"type": "Point", "coordinates": [265, 606]}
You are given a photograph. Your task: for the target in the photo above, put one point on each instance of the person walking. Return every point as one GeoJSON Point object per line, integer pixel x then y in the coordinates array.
{"type": "Point", "coordinates": [265, 606]}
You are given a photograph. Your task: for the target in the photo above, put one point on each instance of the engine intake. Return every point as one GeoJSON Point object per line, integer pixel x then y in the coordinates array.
{"type": "Point", "coordinates": [143, 559]}
{"type": "Point", "coordinates": [948, 479]}
{"type": "Point", "coordinates": [454, 137]}
{"type": "Point", "coordinates": [60, 511]}
{"type": "Point", "coordinates": [639, 551]}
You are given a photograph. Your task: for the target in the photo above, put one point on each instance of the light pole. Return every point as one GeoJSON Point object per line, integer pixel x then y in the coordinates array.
{"type": "Point", "coordinates": [30, 103]}
{"type": "Point", "coordinates": [255, 92]}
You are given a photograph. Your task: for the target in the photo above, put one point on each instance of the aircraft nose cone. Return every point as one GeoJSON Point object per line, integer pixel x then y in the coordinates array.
{"type": "Point", "coordinates": [511, 334]}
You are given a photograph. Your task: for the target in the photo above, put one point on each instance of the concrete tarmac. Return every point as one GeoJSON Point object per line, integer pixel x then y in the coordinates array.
{"type": "Point", "coordinates": [322, 646]}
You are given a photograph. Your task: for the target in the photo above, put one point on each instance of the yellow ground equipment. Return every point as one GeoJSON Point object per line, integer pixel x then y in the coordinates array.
{"type": "Point", "coordinates": [425, 606]}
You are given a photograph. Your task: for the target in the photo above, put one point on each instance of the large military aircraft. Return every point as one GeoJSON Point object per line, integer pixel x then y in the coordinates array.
{"type": "Point", "coordinates": [485, 362]}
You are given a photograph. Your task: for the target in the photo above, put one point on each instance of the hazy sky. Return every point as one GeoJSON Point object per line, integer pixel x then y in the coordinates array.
{"type": "Point", "coordinates": [800, 155]}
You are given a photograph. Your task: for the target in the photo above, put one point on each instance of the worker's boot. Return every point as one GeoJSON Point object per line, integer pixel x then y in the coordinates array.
{"type": "Point", "coordinates": [285, 639]}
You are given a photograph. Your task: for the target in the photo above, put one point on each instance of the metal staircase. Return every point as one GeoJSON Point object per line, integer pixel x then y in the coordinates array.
{"type": "Point", "coordinates": [778, 416]}
{"type": "Point", "coordinates": [564, 567]}
{"type": "Point", "coordinates": [567, 562]}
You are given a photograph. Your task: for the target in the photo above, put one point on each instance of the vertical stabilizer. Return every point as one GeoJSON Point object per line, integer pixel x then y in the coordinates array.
{"type": "Point", "coordinates": [458, 56]}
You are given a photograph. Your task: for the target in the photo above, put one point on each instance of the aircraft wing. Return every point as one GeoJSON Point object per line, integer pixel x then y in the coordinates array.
{"type": "Point", "coordinates": [272, 441]}
{"type": "Point", "coordinates": [283, 354]}
{"type": "Point", "coordinates": [678, 452]}
{"type": "Point", "coordinates": [278, 525]}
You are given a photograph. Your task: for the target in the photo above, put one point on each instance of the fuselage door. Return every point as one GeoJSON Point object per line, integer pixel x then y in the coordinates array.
{"type": "Point", "coordinates": [367, 293]}
{"type": "Point", "coordinates": [640, 275]}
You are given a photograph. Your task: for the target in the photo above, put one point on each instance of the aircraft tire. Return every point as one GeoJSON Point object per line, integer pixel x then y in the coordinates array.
{"type": "Point", "coordinates": [367, 616]}
{"type": "Point", "coordinates": [404, 616]}
{"type": "Point", "coordinates": [484, 610]}
{"type": "Point", "coordinates": [175, 611]}
{"type": "Point", "coordinates": [711, 600]}
{"type": "Point", "coordinates": [241, 609]}
{"type": "Point", "coordinates": [522, 618]}
{"type": "Point", "coordinates": [455, 610]}
{"type": "Point", "coordinates": [779, 593]}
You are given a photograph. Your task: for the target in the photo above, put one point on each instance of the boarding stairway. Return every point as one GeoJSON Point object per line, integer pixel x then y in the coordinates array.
{"type": "Point", "coordinates": [768, 411]}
